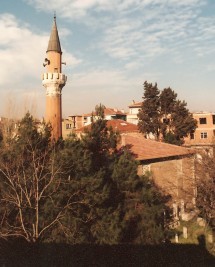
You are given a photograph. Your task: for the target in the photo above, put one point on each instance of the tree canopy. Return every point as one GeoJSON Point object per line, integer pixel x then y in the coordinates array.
{"type": "Point", "coordinates": [164, 116]}
{"type": "Point", "coordinates": [79, 190]}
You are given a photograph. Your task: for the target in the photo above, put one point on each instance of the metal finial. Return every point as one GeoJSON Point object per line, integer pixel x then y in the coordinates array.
{"type": "Point", "coordinates": [55, 15]}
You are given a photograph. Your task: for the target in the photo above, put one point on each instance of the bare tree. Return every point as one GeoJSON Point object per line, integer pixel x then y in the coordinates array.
{"type": "Point", "coordinates": [30, 181]}
{"type": "Point", "coordinates": [205, 178]}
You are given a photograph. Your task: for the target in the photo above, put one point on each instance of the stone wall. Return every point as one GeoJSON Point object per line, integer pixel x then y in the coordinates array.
{"type": "Point", "coordinates": [175, 176]}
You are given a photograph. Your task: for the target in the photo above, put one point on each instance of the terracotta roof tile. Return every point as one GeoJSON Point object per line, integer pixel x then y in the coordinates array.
{"type": "Point", "coordinates": [135, 104]}
{"type": "Point", "coordinates": [119, 125]}
{"type": "Point", "coordinates": [108, 111]}
{"type": "Point", "coordinates": [122, 126]}
{"type": "Point", "coordinates": [146, 149]}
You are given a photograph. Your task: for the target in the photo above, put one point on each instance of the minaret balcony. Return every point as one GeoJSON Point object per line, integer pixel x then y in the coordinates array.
{"type": "Point", "coordinates": [54, 77]}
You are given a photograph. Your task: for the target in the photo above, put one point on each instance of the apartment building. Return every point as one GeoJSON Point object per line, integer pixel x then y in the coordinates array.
{"type": "Point", "coordinates": [204, 135]}
{"type": "Point", "coordinates": [70, 124]}
{"type": "Point", "coordinates": [117, 125]}
{"type": "Point", "coordinates": [109, 114]}
{"type": "Point", "coordinates": [134, 108]}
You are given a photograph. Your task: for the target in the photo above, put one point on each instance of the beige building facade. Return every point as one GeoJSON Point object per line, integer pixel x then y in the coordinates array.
{"type": "Point", "coordinates": [109, 114]}
{"type": "Point", "coordinates": [134, 108]}
{"type": "Point", "coordinates": [204, 135]}
{"type": "Point", "coordinates": [71, 124]}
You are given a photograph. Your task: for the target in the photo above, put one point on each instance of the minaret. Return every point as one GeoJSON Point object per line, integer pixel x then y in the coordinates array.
{"type": "Point", "coordinates": [54, 80]}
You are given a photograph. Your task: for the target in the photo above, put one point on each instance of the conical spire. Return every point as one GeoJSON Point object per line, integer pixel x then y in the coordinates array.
{"type": "Point", "coordinates": [54, 41]}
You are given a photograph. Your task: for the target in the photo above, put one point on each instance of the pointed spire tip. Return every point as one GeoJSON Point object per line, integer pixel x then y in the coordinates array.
{"type": "Point", "coordinates": [54, 42]}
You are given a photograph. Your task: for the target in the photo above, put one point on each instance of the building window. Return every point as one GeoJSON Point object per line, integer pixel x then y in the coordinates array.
{"type": "Point", "coordinates": [204, 135]}
{"type": "Point", "coordinates": [68, 126]}
{"type": "Point", "coordinates": [213, 119]}
{"type": "Point", "coordinates": [56, 70]}
{"type": "Point", "coordinates": [192, 136]}
{"type": "Point", "coordinates": [202, 120]}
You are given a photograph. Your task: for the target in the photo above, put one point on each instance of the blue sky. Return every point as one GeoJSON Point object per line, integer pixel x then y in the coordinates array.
{"type": "Point", "coordinates": [111, 47]}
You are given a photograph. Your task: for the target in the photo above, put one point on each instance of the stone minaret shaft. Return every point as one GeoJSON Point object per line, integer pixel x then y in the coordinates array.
{"type": "Point", "coordinates": [54, 80]}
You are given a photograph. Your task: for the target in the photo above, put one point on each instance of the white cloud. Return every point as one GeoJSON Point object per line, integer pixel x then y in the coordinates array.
{"type": "Point", "coordinates": [159, 36]}
{"type": "Point", "coordinates": [79, 8]}
{"type": "Point", "coordinates": [139, 29]}
{"type": "Point", "coordinates": [110, 87]}
{"type": "Point", "coordinates": [22, 52]}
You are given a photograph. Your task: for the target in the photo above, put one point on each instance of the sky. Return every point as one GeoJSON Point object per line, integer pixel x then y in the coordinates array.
{"type": "Point", "coordinates": [110, 48]}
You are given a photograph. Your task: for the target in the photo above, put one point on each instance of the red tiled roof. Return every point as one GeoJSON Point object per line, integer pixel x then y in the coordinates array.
{"type": "Point", "coordinates": [112, 111]}
{"type": "Point", "coordinates": [135, 105]}
{"type": "Point", "coordinates": [108, 111]}
{"type": "Point", "coordinates": [119, 125]}
{"type": "Point", "coordinates": [122, 126]}
{"type": "Point", "coordinates": [146, 149]}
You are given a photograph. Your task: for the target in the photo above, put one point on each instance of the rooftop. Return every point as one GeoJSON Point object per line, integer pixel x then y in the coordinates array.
{"type": "Point", "coordinates": [135, 104]}
{"type": "Point", "coordinates": [117, 125]}
{"type": "Point", "coordinates": [146, 149]}
{"type": "Point", "coordinates": [108, 111]}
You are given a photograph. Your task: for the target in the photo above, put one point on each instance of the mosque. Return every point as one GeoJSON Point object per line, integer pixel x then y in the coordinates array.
{"type": "Point", "coordinates": [170, 165]}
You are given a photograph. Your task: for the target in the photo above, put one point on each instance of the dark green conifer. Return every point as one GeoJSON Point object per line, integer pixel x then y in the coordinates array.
{"type": "Point", "coordinates": [164, 116]}
{"type": "Point", "coordinates": [149, 114]}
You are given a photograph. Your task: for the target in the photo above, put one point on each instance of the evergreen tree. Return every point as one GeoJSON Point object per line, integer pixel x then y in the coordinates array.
{"type": "Point", "coordinates": [97, 218]}
{"type": "Point", "coordinates": [174, 121]}
{"type": "Point", "coordinates": [112, 191]}
{"type": "Point", "coordinates": [183, 121]}
{"type": "Point", "coordinates": [143, 205]}
{"type": "Point", "coordinates": [167, 101]}
{"type": "Point", "coordinates": [149, 114]}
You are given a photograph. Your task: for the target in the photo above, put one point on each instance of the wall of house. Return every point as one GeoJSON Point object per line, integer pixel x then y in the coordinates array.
{"type": "Point", "coordinates": [132, 118]}
{"type": "Point", "coordinates": [176, 177]}
{"type": "Point", "coordinates": [132, 115]}
{"type": "Point", "coordinates": [133, 111]}
{"type": "Point", "coordinates": [67, 128]}
{"type": "Point", "coordinates": [71, 124]}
